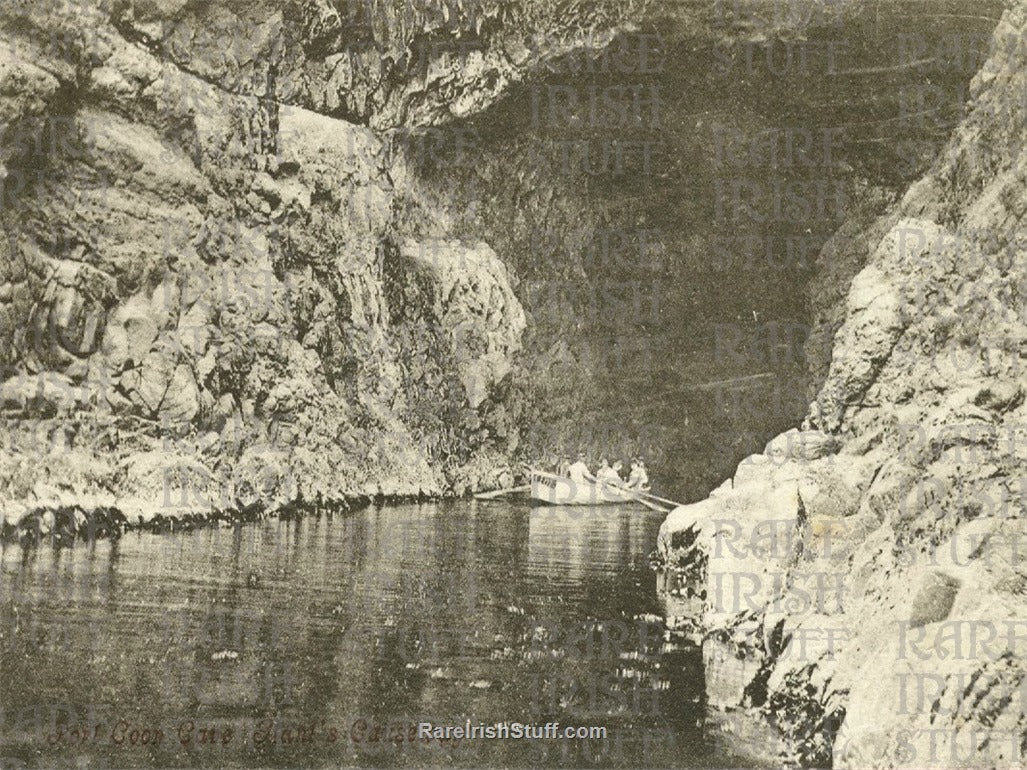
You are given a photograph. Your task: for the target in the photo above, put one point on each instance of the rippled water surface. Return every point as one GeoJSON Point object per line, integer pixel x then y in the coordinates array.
{"type": "Point", "coordinates": [323, 642]}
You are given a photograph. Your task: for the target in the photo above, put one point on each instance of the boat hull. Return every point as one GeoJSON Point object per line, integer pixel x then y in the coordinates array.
{"type": "Point", "coordinates": [551, 489]}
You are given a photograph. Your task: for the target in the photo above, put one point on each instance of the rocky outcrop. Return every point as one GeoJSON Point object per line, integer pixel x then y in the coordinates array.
{"type": "Point", "coordinates": [872, 573]}
{"type": "Point", "coordinates": [206, 207]}
{"type": "Point", "coordinates": [381, 65]}
{"type": "Point", "coordinates": [475, 306]}
{"type": "Point", "coordinates": [204, 248]}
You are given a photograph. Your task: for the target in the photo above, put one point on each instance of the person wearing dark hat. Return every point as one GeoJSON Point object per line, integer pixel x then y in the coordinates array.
{"type": "Point", "coordinates": [638, 478]}
{"type": "Point", "coordinates": [563, 466]}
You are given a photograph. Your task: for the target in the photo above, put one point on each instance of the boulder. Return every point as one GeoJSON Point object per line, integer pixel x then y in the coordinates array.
{"type": "Point", "coordinates": [476, 308]}
{"type": "Point", "coordinates": [828, 491]}
{"type": "Point", "coordinates": [44, 394]}
{"type": "Point", "coordinates": [802, 445]}
{"type": "Point", "coordinates": [863, 344]}
{"type": "Point", "coordinates": [1000, 396]}
{"type": "Point", "coordinates": [133, 329]}
{"type": "Point", "coordinates": [163, 389]}
{"type": "Point", "coordinates": [933, 599]}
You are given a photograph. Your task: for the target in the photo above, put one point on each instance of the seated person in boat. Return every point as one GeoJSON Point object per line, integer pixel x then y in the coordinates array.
{"type": "Point", "coordinates": [606, 474]}
{"type": "Point", "coordinates": [563, 466]}
{"type": "Point", "coordinates": [579, 472]}
{"type": "Point", "coordinates": [638, 478]}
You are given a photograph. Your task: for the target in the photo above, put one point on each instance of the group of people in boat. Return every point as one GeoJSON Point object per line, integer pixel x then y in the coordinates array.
{"type": "Point", "coordinates": [638, 476]}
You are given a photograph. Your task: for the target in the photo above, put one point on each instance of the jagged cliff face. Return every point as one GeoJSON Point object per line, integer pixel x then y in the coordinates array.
{"type": "Point", "coordinates": [751, 133]}
{"type": "Point", "coordinates": [870, 568]}
{"type": "Point", "coordinates": [214, 213]}
{"type": "Point", "coordinates": [201, 252]}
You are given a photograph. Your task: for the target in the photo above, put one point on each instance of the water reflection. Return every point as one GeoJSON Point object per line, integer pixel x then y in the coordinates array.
{"type": "Point", "coordinates": [322, 641]}
{"type": "Point", "coordinates": [572, 540]}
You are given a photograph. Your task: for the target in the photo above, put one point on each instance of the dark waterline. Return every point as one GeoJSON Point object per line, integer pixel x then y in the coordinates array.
{"type": "Point", "coordinates": [323, 642]}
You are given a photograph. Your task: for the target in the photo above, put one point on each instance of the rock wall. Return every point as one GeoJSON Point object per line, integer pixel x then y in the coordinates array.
{"type": "Point", "coordinates": [870, 566]}
{"type": "Point", "coordinates": [204, 256]}
{"type": "Point", "coordinates": [649, 278]}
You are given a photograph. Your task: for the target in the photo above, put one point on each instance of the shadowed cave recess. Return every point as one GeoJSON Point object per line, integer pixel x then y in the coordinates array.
{"type": "Point", "coordinates": [265, 254]}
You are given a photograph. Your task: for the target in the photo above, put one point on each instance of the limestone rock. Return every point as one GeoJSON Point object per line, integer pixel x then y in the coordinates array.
{"type": "Point", "coordinates": [1000, 396]}
{"type": "Point", "coordinates": [933, 599]}
{"type": "Point", "coordinates": [925, 380]}
{"type": "Point", "coordinates": [802, 445]}
{"type": "Point", "coordinates": [46, 393]}
{"type": "Point", "coordinates": [862, 345]}
{"type": "Point", "coordinates": [475, 307]}
{"type": "Point", "coordinates": [163, 389]}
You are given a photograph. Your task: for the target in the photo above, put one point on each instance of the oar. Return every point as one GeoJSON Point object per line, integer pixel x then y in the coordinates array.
{"type": "Point", "coordinates": [634, 495]}
{"type": "Point", "coordinates": [661, 499]}
{"type": "Point", "coordinates": [652, 506]}
{"type": "Point", "coordinates": [501, 492]}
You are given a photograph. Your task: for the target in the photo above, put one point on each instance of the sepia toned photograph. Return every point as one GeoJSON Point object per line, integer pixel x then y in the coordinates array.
{"type": "Point", "coordinates": [513, 384]}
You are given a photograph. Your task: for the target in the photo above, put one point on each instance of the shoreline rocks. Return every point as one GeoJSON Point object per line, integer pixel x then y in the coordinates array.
{"type": "Point", "coordinates": [61, 478]}
{"type": "Point", "coordinates": [60, 522]}
{"type": "Point", "coordinates": [872, 576]}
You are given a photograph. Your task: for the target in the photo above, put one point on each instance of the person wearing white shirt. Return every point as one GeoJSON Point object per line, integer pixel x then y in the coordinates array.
{"type": "Point", "coordinates": [606, 474]}
{"type": "Point", "coordinates": [579, 472]}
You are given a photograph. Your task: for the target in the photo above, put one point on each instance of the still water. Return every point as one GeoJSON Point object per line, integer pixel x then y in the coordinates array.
{"type": "Point", "coordinates": [325, 641]}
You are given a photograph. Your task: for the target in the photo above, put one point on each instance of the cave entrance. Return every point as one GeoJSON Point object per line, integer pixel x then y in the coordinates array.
{"type": "Point", "coordinates": [683, 210]}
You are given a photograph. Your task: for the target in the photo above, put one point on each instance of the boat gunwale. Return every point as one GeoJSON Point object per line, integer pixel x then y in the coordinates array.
{"type": "Point", "coordinates": [624, 494]}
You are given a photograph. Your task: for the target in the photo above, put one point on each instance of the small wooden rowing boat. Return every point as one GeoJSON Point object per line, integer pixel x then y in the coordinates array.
{"type": "Point", "coordinates": [560, 490]}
